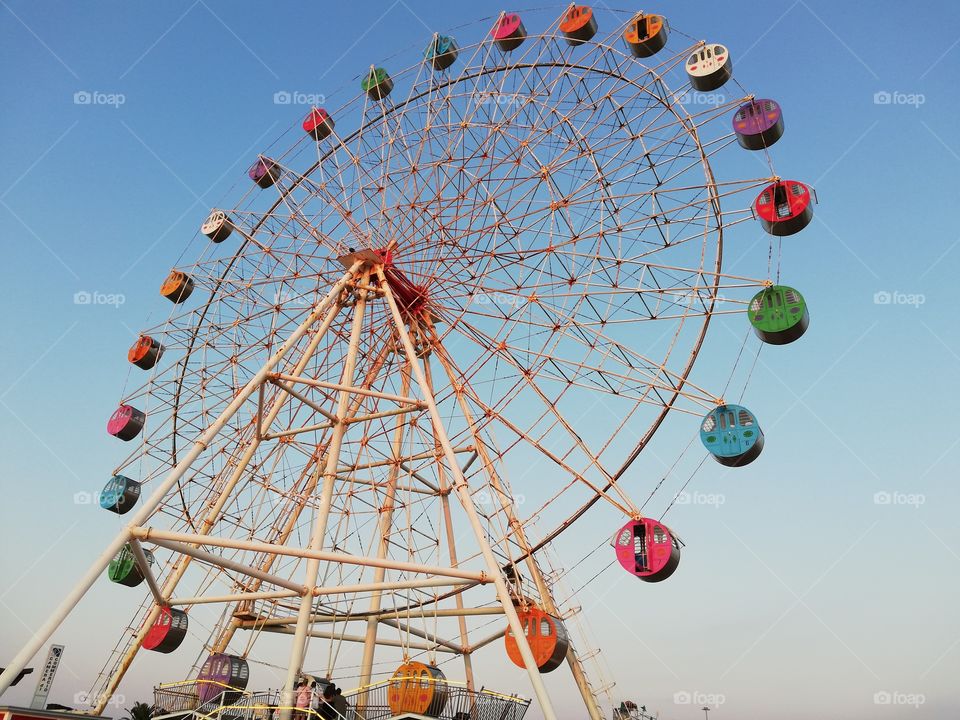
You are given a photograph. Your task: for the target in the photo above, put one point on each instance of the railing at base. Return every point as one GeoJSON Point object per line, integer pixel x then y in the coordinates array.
{"type": "Point", "coordinates": [184, 697]}
{"type": "Point", "coordinates": [367, 703]}
{"type": "Point", "coordinates": [372, 703]}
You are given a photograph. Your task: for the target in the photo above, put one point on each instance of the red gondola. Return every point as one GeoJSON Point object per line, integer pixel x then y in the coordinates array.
{"type": "Point", "coordinates": [318, 124]}
{"type": "Point", "coordinates": [546, 636]}
{"type": "Point", "coordinates": [785, 208]}
{"type": "Point", "coordinates": [648, 549]}
{"type": "Point", "coordinates": [167, 632]}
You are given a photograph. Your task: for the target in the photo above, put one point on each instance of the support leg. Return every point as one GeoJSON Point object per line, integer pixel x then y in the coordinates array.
{"type": "Point", "coordinates": [463, 492]}
{"type": "Point", "coordinates": [323, 511]}
{"type": "Point", "coordinates": [150, 505]}
{"type": "Point", "coordinates": [506, 504]}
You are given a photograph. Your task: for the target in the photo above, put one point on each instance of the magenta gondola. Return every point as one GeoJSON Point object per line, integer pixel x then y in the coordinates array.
{"type": "Point", "coordinates": [126, 422]}
{"type": "Point", "coordinates": [647, 549]}
{"type": "Point", "coordinates": [508, 32]}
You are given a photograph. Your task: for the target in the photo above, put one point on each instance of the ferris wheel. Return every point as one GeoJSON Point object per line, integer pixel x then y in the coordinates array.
{"type": "Point", "coordinates": [485, 276]}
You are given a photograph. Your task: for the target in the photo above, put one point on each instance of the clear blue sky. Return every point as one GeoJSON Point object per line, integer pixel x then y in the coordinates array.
{"type": "Point", "coordinates": [821, 598]}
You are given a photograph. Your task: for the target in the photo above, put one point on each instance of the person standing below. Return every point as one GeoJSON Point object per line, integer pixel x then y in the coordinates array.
{"type": "Point", "coordinates": [303, 699]}
{"type": "Point", "coordinates": [340, 704]}
{"type": "Point", "coordinates": [327, 711]}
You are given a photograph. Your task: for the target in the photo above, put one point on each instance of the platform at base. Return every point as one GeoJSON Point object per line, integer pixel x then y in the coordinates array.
{"type": "Point", "coordinates": [180, 701]}
{"type": "Point", "coordinates": [10, 712]}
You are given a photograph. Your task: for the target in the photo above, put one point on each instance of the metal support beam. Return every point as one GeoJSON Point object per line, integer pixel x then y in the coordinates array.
{"type": "Point", "coordinates": [325, 635]}
{"type": "Point", "coordinates": [150, 504]}
{"type": "Point", "coordinates": [154, 535]}
{"type": "Point", "coordinates": [223, 562]}
{"type": "Point", "coordinates": [147, 571]}
{"type": "Point", "coordinates": [463, 492]}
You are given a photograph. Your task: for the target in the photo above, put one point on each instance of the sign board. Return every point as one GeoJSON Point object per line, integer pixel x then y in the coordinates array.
{"type": "Point", "coordinates": [45, 681]}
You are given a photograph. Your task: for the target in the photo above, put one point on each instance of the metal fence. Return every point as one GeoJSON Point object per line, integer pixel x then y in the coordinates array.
{"type": "Point", "coordinates": [369, 703]}
{"type": "Point", "coordinates": [184, 697]}
{"type": "Point", "coordinates": [372, 703]}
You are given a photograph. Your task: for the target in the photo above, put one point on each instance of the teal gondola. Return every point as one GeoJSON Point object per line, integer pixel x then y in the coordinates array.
{"type": "Point", "coordinates": [120, 494]}
{"type": "Point", "coordinates": [732, 435]}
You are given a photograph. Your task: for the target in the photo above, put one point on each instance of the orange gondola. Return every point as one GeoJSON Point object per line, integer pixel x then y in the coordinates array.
{"type": "Point", "coordinates": [418, 688]}
{"type": "Point", "coordinates": [546, 636]}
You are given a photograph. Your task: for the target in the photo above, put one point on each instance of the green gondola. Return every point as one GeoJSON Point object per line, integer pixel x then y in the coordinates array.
{"type": "Point", "coordinates": [778, 315]}
{"type": "Point", "coordinates": [377, 84]}
{"type": "Point", "coordinates": [123, 569]}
